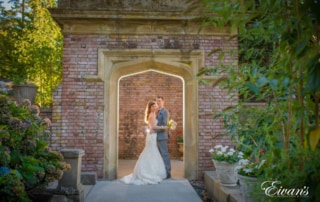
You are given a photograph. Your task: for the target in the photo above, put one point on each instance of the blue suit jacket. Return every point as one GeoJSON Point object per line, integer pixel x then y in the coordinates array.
{"type": "Point", "coordinates": [163, 116]}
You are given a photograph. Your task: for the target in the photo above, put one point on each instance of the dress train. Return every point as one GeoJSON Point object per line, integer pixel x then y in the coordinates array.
{"type": "Point", "coordinates": [150, 168]}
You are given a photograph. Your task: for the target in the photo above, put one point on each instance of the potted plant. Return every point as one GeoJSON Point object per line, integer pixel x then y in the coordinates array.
{"type": "Point", "coordinates": [180, 140]}
{"type": "Point", "coordinates": [180, 144]}
{"type": "Point", "coordinates": [22, 87]}
{"type": "Point", "coordinates": [19, 75]}
{"type": "Point", "coordinates": [248, 172]}
{"type": "Point", "coordinates": [225, 160]}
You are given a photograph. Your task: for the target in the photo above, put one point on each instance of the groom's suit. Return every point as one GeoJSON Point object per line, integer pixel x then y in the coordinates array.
{"type": "Point", "coordinates": [162, 138]}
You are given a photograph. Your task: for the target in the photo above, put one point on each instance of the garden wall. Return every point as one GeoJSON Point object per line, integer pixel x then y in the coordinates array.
{"type": "Point", "coordinates": [79, 118]}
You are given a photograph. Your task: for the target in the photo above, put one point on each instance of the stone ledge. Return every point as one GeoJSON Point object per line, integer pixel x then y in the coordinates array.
{"type": "Point", "coordinates": [88, 178]}
{"type": "Point", "coordinates": [220, 193]}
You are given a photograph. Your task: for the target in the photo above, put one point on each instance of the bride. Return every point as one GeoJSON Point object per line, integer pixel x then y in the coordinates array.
{"type": "Point", "coordinates": [149, 168]}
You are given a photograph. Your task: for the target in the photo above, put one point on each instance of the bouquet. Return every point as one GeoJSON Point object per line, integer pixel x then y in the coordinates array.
{"type": "Point", "coordinates": [172, 124]}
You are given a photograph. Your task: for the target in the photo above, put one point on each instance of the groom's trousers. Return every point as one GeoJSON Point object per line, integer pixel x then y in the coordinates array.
{"type": "Point", "coordinates": [163, 148]}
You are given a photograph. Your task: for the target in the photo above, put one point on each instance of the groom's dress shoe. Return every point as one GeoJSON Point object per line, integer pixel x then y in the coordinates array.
{"type": "Point", "coordinates": [168, 176]}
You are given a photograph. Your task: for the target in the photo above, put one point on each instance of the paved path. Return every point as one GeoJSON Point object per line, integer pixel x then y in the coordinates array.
{"type": "Point", "coordinates": [171, 190]}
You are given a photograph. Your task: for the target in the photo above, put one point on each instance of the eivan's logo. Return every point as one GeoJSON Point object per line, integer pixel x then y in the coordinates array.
{"type": "Point", "coordinates": [274, 189]}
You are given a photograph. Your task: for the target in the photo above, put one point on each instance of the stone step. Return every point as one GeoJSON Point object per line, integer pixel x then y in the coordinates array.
{"type": "Point", "coordinates": [220, 193]}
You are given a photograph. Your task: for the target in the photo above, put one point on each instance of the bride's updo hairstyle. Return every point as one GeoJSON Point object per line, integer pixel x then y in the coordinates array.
{"type": "Point", "coordinates": [148, 110]}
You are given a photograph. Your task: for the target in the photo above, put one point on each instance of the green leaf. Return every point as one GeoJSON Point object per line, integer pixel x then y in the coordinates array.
{"type": "Point", "coordinates": [285, 81]}
{"type": "Point", "coordinates": [273, 84]}
{"type": "Point", "coordinates": [221, 56]}
{"type": "Point", "coordinates": [254, 71]}
{"type": "Point", "coordinates": [301, 46]}
{"type": "Point", "coordinates": [262, 81]}
{"type": "Point", "coordinates": [314, 75]}
{"type": "Point", "coordinates": [253, 88]}
{"type": "Point", "coordinates": [314, 138]}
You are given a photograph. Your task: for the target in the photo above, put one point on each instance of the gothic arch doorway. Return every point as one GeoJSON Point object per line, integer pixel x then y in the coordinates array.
{"type": "Point", "coordinates": [114, 64]}
{"type": "Point", "coordinates": [134, 93]}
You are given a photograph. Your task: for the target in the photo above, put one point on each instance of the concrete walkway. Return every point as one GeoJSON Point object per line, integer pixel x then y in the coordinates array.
{"type": "Point", "coordinates": [175, 190]}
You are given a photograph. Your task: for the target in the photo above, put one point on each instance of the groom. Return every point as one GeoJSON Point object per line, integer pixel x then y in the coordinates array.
{"type": "Point", "coordinates": [162, 135]}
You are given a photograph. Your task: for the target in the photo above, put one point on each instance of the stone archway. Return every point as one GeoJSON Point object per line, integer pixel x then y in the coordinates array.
{"type": "Point", "coordinates": [135, 91]}
{"type": "Point", "coordinates": [114, 64]}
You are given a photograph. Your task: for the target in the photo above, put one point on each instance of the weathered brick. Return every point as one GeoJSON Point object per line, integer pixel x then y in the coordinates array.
{"type": "Point", "coordinates": [78, 105]}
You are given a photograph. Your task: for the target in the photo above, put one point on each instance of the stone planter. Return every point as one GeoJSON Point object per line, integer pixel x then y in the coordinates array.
{"type": "Point", "coordinates": [180, 144]}
{"type": "Point", "coordinates": [247, 186]}
{"type": "Point", "coordinates": [180, 148]}
{"type": "Point", "coordinates": [24, 91]}
{"type": "Point", "coordinates": [226, 173]}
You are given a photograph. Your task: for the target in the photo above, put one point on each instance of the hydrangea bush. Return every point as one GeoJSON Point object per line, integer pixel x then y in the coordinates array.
{"type": "Point", "coordinates": [26, 161]}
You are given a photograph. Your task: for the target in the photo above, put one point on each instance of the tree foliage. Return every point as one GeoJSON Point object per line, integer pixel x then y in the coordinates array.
{"type": "Point", "coordinates": [279, 64]}
{"type": "Point", "coordinates": [31, 46]}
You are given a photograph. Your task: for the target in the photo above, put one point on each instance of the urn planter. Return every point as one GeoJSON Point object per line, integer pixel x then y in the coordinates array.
{"type": "Point", "coordinates": [246, 186]}
{"type": "Point", "coordinates": [226, 173]}
{"type": "Point", "coordinates": [24, 91]}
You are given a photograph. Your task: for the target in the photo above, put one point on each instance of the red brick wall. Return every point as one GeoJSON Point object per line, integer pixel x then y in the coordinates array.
{"type": "Point", "coordinates": [78, 104]}
{"type": "Point", "coordinates": [135, 92]}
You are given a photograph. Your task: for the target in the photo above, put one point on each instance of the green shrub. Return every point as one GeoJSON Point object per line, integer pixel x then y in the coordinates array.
{"type": "Point", "coordinates": [26, 161]}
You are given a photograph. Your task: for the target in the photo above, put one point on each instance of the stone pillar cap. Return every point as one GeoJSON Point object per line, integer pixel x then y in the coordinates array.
{"type": "Point", "coordinates": [72, 153]}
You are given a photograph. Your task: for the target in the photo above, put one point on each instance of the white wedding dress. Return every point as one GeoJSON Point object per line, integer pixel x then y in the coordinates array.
{"type": "Point", "coordinates": [150, 168]}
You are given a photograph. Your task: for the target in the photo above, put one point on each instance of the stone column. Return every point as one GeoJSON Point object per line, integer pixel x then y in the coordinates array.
{"type": "Point", "coordinates": [70, 183]}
